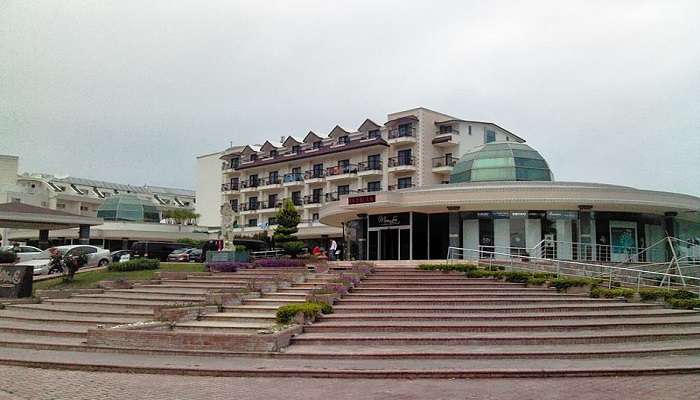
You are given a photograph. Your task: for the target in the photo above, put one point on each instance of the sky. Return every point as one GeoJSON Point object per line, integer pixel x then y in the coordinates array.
{"type": "Point", "coordinates": [132, 91]}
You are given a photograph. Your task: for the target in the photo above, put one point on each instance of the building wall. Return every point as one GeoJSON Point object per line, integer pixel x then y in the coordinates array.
{"type": "Point", "coordinates": [8, 175]}
{"type": "Point", "coordinates": [209, 179]}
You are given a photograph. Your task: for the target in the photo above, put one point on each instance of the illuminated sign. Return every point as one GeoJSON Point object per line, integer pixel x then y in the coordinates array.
{"type": "Point", "coordinates": [362, 199]}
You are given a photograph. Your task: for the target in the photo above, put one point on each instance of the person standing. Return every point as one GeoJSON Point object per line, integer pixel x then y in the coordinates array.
{"type": "Point", "coordinates": [333, 249]}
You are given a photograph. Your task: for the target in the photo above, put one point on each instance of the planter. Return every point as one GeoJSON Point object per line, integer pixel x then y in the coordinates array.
{"type": "Point", "coordinates": [16, 280]}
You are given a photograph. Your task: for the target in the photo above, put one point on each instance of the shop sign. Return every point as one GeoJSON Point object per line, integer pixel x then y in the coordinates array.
{"type": "Point", "coordinates": [362, 199]}
{"type": "Point", "coordinates": [483, 214]}
{"type": "Point", "coordinates": [518, 214]}
{"type": "Point", "coordinates": [387, 220]}
{"type": "Point", "coordinates": [500, 214]}
{"type": "Point", "coordinates": [562, 214]}
{"type": "Point", "coordinates": [536, 214]}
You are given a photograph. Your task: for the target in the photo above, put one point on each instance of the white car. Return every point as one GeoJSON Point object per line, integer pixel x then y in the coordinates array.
{"type": "Point", "coordinates": [24, 253]}
{"type": "Point", "coordinates": [97, 257]}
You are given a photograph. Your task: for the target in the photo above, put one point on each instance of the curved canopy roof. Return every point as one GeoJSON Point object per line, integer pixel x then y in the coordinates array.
{"type": "Point", "coordinates": [501, 161]}
{"type": "Point", "coordinates": [128, 207]}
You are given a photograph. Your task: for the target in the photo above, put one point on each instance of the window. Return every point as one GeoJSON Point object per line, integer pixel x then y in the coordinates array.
{"type": "Point", "coordinates": [272, 201]}
{"type": "Point", "coordinates": [274, 177]}
{"type": "Point", "coordinates": [404, 157]}
{"type": "Point", "coordinates": [252, 203]}
{"type": "Point", "coordinates": [469, 129]}
{"type": "Point", "coordinates": [343, 189]}
{"type": "Point", "coordinates": [235, 162]}
{"type": "Point", "coordinates": [374, 134]}
{"type": "Point", "coordinates": [317, 145]}
{"type": "Point", "coordinates": [316, 195]}
{"type": "Point", "coordinates": [253, 157]}
{"type": "Point", "coordinates": [253, 222]}
{"type": "Point", "coordinates": [253, 180]}
{"type": "Point", "coordinates": [234, 183]}
{"type": "Point", "coordinates": [273, 153]}
{"type": "Point", "coordinates": [343, 139]}
{"type": "Point", "coordinates": [405, 130]}
{"type": "Point", "coordinates": [374, 186]}
{"type": "Point", "coordinates": [83, 208]}
{"type": "Point", "coordinates": [272, 221]}
{"type": "Point", "coordinates": [296, 198]}
{"type": "Point", "coordinates": [318, 171]}
{"type": "Point", "coordinates": [445, 129]}
{"type": "Point", "coordinates": [404, 183]}
{"type": "Point", "coordinates": [16, 200]}
{"type": "Point", "coordinates": [507, 138]}
{"type": "Point", "coordinates": [344, 166]}
{"type": "Point", "coordinates": [296, 149]}
{"type": "Point", "coordinates": [60, 206]}
{"type": "Point", "coordinates": [489, 136]}
{"type": "Point", "coordinates": [234, 204]}
{"type": "Point", "coordinates": [374, 161]}
{"type": "Point", "coordinates": [314, 217]}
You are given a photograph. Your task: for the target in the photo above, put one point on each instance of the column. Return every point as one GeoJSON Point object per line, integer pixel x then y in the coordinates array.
{"type": "Point", "coordinates": [84, 234]}
{"type": "Point", "coordinates": [454, 227]}
{"type": "Point", "coordinates": [43, 239]}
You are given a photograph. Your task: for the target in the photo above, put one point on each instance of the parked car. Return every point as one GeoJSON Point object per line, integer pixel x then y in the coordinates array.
{"type": "Point", "coordinates": [24, 253]}
{"type": "Point", "coordinates": [96, 257]}
{"type": "Point", "coordinates": [185, 255]}
{"type": "Point", "coordinates": [158, 250]}
{"type": "Point", "coordinates": [117, 255]}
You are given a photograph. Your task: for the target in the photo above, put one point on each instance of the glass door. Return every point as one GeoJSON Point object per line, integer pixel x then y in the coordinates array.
{"type": "Point", "coordinates": [389, 244]}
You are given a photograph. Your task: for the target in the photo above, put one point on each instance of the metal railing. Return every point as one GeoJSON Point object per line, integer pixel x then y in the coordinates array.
{"type": "Point", "coordinates": [401, 160]}
{"type": "Point", "coordinates": [399, 187]}
{"type": "Point", "coordinates": [312, 199]}
{"type": "Point", "coordinates": [249, 184]}
{"type": "Point", "coordinates": [444, 161]}
{"type": "Point", "coordinates": [293, 177]}
{"type": "Point", "coordinates": [402, 132]}
{"type": "Point", "coordinates": [613, 275]}
{"type": "Point", "coordinates": [312, 174]}
{"type": "Point", "coordinates": [229, 186]}
{"type": "Point", "coordinates": [450, 132]}
{"type": "Point", "coordinates": [369, 166]}
{"type": "Point", "coordinates": [341, 169]}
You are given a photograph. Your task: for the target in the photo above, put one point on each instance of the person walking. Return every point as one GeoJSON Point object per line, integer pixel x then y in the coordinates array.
{"type": "Point", "coordinates": [332, 250]}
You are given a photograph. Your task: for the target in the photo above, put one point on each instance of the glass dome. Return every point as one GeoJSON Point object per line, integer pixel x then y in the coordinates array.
{"type": "Point", "coordinates": [501, 161]}
{"type": "Point", "coordinates": [127, 207]}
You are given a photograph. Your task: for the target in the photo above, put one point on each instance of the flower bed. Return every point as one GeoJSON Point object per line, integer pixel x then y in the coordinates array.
{"type": "Point", "coordinates": [139, 264]}
{"type": "Point", "coordinates": [227, 266]}
{"type": "Point", "coordinates": [287, 313]}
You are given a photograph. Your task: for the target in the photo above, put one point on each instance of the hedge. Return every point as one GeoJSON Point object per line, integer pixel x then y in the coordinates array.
{"type": "Point", "coordinates": [286, 313]}
{"type": "Point", "coordinates": [597, 292]}
{"type": "Point", "coordinates": [447, 267]}
{"type": "Point", "coordinates": [138, 264]}
{"type": "Point", "coordinates": [280, 263]}
{"type": "Point", "coordinates": [226, 266]}
{"type": "Point", "coordinates": [686, 304]}
{"type": "Point", "coordinates": [565, 283]}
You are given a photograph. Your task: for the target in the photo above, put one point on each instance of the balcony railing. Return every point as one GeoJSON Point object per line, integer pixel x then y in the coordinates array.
{"type": "Point", "coordinates": [445, 161]}
{"type": "Point", "coordinates": [402, 132]}
{"type": "Point", "coordinates": [269, 181]}
{"type": "Point", "coordinates": [450, 132]}
{"type": "Point", "coordinates": [229, 186]}
{"type": "Point", "coordinates": [370, 166]}
{"type": "Point", "coordinates": [293, 177]}
{"type": "Point", "coordinates": [269, 204]}
{"type": "Point", "coordinates": [313, 174]}
{"type": "Point", "coordinates": [297, 201]}
{"type": "Point", "coordinates": [312, 199]}
{"type": "Point", "coordinates": [401, 160]}
{"type": "Point", "coordinates": [252, 206]}
{"type": "Point", "coordinates": [232, 207]}
{"type": "Point", "coordinates": [250, 184]}
{"type": "Point", "coordinates": [341, 169]}
{"type": "Point", "coordinates": [399, 187]}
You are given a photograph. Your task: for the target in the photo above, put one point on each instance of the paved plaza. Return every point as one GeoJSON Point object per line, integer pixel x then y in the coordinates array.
{"type": "Point", "coordinates": [77, 385]}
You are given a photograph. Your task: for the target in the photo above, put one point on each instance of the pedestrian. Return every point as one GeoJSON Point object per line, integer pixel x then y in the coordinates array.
{"type": "Point", "coordinates": [334, 247]}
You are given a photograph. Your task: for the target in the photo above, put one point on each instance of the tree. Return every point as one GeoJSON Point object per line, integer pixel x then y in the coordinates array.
{"type": "Point", "coordinates": [180, 216]}
{"type": "Point", "coordinates": [284, 236]}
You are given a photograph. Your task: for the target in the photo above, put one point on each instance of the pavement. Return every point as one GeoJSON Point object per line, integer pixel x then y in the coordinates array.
{"type": "Point", "coordinates": [78, 385]}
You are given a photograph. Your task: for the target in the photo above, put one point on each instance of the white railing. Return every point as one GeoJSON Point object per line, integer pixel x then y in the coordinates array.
{"type": "Point", "coordinates": [632, 277]}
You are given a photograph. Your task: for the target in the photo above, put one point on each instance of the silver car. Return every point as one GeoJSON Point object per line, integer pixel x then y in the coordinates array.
{"type": "Point", "coordinates": [24, 253]}
{"type": "Point", "coordinates": [97, 257]}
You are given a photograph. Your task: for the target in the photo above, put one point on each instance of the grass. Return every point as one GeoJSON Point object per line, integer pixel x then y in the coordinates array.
{"type": "Point", "coordinates": [88, 280]}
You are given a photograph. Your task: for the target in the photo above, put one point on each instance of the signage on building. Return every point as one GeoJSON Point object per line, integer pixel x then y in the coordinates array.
{"type": "Point", "coordinates": [388, 220]}
{"type": "Point", "coordinates": [370, 198]}
{"type": "Point", "coordinates": [562, 214]}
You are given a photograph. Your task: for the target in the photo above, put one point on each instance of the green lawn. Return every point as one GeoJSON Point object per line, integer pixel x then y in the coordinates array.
{"type": "Point", "coordinates": [90, 279]}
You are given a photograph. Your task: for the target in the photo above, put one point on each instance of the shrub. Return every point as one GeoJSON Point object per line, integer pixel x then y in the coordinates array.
{"type": "Point", "coordinates": [7, 257]}
{"type": "Point", "coordinates": [138, 264]}
{"type": "Point", "coordinates": [597, 292]}
{"type": "Point", "coordinates": [240, 248]}
{"type": "Point", "coordinates": [682, 295]}
{"type": "Point", "coordinates": [227, 266]}
{"type": "Point", "coordinates": [279, 263]}
{"type": "Point", "coordinates": [480, 273]}
{"type": "Point", "coordinates": [686, 304]}
{"type": "Point", "coordinates": [447, 267]}
{"type": "Point", "coordinates": [516, 276]}
{"type": "Point", "coordinates": [286, 313]}
{"type": "Point", "coordinates": [536, 281]}
{"type": "Point", "coordinates": [495, 268]}
{"type": "Point", "coordinates": [653, 293]}
{"type": "Point", "coordinates": [563, 284]}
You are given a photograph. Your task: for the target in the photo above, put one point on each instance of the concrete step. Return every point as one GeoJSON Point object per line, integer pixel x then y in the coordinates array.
{"type": "Point", "coordinates": [161, 290]}
{"type": "Point", "coordinates": [471, 294]}
{"type": "Point", "coordinates": [273, 301]}
{"type": "Point", "coordinates": [340, 308]}
{"type": "Point", "coordinates": [477, 289]}
{"type": "Point", "coordinates": [497, 338]}
{"type": "Point", "coordinates": [251, 308]}
{"type": "Point", "coordinates": [504, 326]}
{"type": "Point", "coordinates": [192, 286]}
{"type": "Point", "coordinates": [370, 317]}
{"type": "Point", "coordinates": [87, 310]}
{"type": "Point", "coordinates": [40, 328]}
{"type": "Point", "coordinates": [515, 300]}
{"type": "Point", "coordinates": [58, 317]}
{"type": "Point", "coordinates": [241, 317]}
{"type": "Point", "coordinates": [219, 326]}
{"type": "Point", "coordinates": [179, 298]}
{"type": "Point", "coordinates": [134, 304]}
{"type": "Point", "coordinates": [284, 294]}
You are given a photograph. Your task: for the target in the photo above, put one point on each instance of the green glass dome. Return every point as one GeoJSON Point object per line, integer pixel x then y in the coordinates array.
{"type": "Point", "coordinates": [127, 207]}
{"type": "Point", "coordinates": [501, 161]}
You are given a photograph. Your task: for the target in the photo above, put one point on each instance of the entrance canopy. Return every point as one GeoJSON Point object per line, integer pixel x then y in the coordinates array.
{"type": "Point", "coordinates": [24, 216]}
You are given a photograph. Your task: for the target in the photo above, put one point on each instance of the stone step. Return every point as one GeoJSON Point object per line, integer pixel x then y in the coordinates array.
{"type": "Point", "coordinates": [58, 317]}
{"type": "Point", "coordinates": [251, 366]}
{"type": "Point", "coordinates": [192, 286]}
{"type": "Point", "coordinates": [449, 283]}
{"type": "Point", "coordinates": [86, 310]}
{"type": "Point", "coordinates": [658, 313]}
{"type": "Point", "coordinates": [477, 289]}
{"type": "Point", "coordinates": [220, 326]}
{"type": "Point", "coordinates": [284, 294]}
{"type": "Point", "coordinates": [251, 308]}
{"type": "Point", "coordinates": [491, 308]}
{"type": "Point", "coordinates": [507, 352]}
{"type": "Point", "coordinates": [160, 290]}
{"type": "Point", "coordinates": [135, 304]}
{"type": "Point", "coordinates": [180, 298]}
{"type": "Point", "coordinates": [352, 301]}
{"type": "Point", "coordinates": [467, 295]}
{"type": "Point", "coordinates": [40, 328]}
{"type": "Point", "coordinates": [212, 282]}
{"type": "Point", "coordinates": [503, 326]}
{"type": "Point", "coordinates": [273, 301]}
{"type": "Point", "coordinates": [497, 338]}
{"type": "Point", "coordinates": [241, 317]}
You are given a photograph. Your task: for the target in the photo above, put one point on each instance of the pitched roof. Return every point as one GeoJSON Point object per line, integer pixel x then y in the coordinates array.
{"type": "Point", "coordinates": [368, 125]}
{"type": "Point", "coordinates": [337, 131]}
{"type": "Point", "coordinates": [22, 208]}
{"type": "Point", "coordinates": [290, 141]}
{"type": "Point", "coordinates": [311, 137]}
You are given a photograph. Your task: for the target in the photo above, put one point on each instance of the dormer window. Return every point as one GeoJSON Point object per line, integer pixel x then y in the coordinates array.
{"type": "Point", "coordinates": [235, 162]}
{"type": "Point", "coordinates": [445, 129]}
{"type": "Point", "coordinates": [296, 149]}
{"type": "Point", "coordinates": [343, 139]}
{"type": "Point", "coordinates": [253, 157]}
{"type": "Point", "coordinates": [317, 144]}
{"type": "Point", "coordinates": [273, 153]}
{"type": "Point", "coordinates": [374, 134]}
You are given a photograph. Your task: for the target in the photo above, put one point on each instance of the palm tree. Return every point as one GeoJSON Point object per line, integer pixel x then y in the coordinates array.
{"type": "Point", "coordinates": [181, 216]}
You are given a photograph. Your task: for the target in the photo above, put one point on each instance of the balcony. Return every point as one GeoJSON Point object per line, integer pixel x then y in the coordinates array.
{"type": "Point", "coordinates": [293, 179]}
{"type": "Point", "coordinates": [314, 176]}
{"type": "Point", "coordinates": [369, 168]}
{"type": "Point", "coordinates": [341, 172]}
{"type": "Point", "coordinates": [270, 184]}
{"type": "Point", "coordinates": [267, 207]}
{"type": "Point", "coordinates": [229, 168]}
{"type": "Point", "coordinates": [444, 164]}
{"type": "Point", "coordinates": [297, 201]}
{"type": "Point", "coordinates": [312, 201]}
{"type": "Point", "coordinates": [402, 164]}
{"type": "Point", "coordinates": [400, 187]}
{"type": "Point", "coordinates": [249, 186]}
{"type": "Point", "coordinates": [446, 139]}
{"type": "Point", "coordinates": [229, 187]}
{"type": "Point", "coordinates": [250, 208]}
{"type": "Point", "coordinates": [402, 136]}
{"type": "Point", "coordinates": [309, 222]}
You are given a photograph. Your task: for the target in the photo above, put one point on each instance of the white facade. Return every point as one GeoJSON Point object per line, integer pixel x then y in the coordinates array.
{"type": "Point", "coordinates": [208, 204]}
{"type": "Point", "coordinates": [414, 148]}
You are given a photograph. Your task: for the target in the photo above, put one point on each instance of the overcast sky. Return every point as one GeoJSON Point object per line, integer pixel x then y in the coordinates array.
{"type": "Point", "coordinates": [133, 91]}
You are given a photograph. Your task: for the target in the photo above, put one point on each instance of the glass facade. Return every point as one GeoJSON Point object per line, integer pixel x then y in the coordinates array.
{"type": "Point", "coordinates": [501, 162]}
{"type": "Point", "coordinates": [127, 207]}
